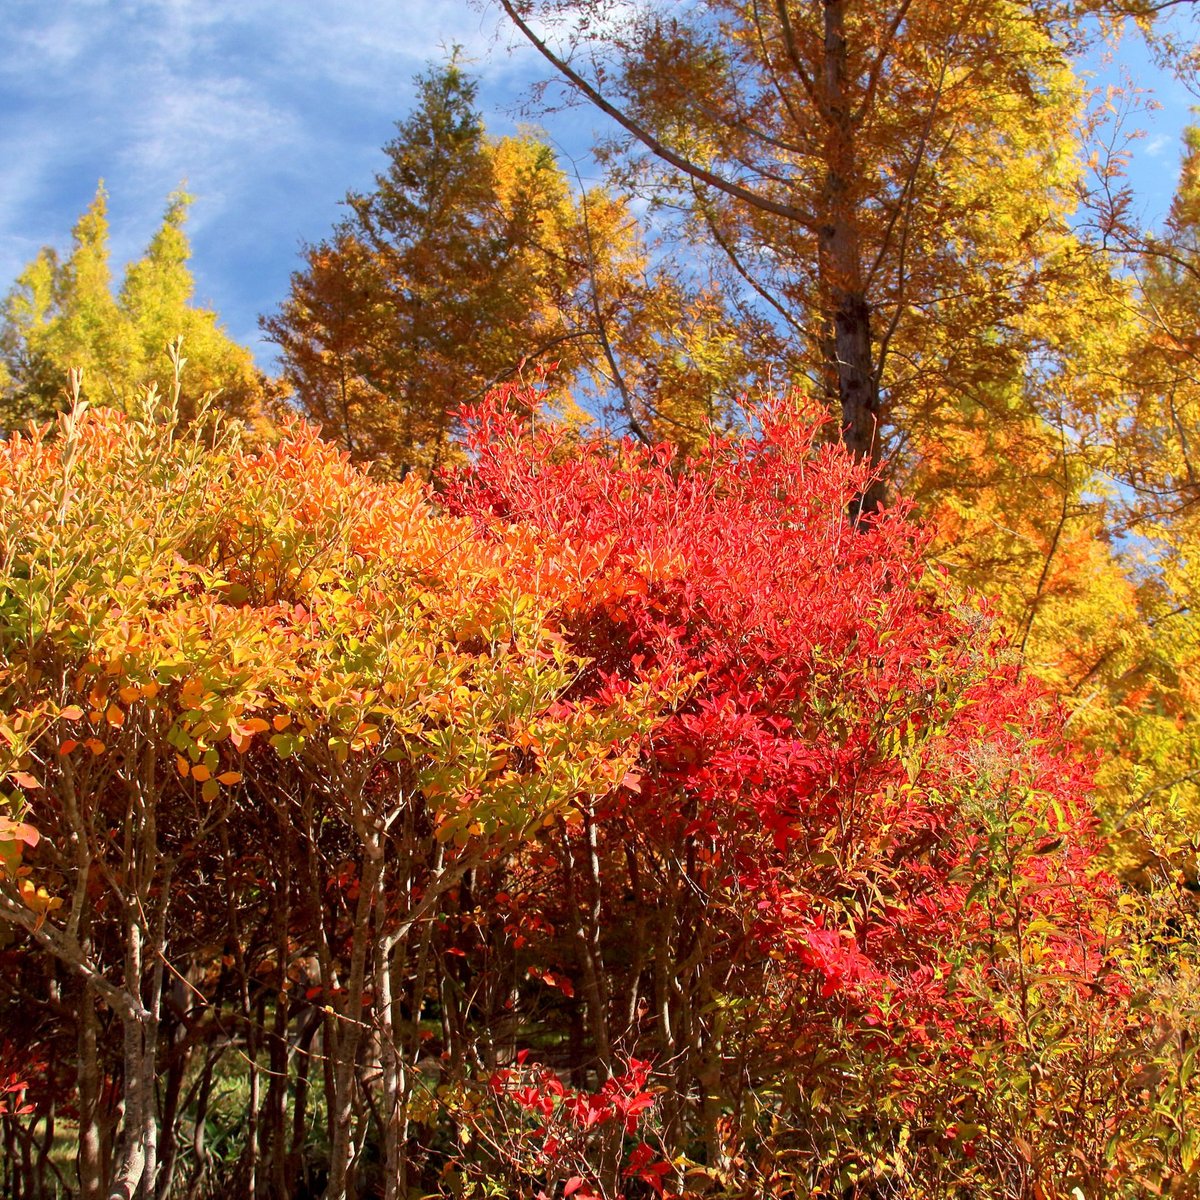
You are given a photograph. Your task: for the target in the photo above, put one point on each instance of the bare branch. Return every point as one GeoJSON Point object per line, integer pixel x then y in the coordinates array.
{"type": "Point", "coordinates": [652, 143]}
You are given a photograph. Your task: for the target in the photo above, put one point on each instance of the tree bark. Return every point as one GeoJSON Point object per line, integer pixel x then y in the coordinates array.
{"type": "Point", "coordinates": [90, 1160]}
{"type": "Point", "coordinates": [341, 1103]}
{"type": "Point", "coordinates": [841, 268]}
{"type": "Point", "coordinates": [127, 1177]}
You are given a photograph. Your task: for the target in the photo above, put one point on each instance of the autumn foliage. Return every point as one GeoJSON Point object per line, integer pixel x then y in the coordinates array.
{"type": "Point", "coordinates": [610, 824]}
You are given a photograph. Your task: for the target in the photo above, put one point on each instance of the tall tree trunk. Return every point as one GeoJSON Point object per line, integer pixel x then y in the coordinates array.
{"type": "Point", "coordinates": [393, 1084]}
{"type": "Point", "coordinates": [841, 270]}
{"type": "Point", "coordinates": [177, 1054]}
{"type": "Point", "coordinates": [127, 1177]}
{"type": "Point", "coordinates": [274, 1128]}
{"type": "Point", "coordinates": [584, 905]}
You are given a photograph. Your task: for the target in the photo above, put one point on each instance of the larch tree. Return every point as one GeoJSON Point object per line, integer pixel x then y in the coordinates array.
{"type": "Point", "coordinates": [157, 297]}
{"type": "Point", "coordinates": [471, 258]}
{"type": "Point", "coordinates": [61, 313]}
{"type": "Point", "coordinates": [1146, 440]}
{"type": "Point", "coordinates": [892, 180]}
{"type": "Point", "coordinates": [427, 292]}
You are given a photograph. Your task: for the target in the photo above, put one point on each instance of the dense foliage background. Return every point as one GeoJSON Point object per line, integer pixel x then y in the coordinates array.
{"type": "Point", "coordinates": [684, 687]}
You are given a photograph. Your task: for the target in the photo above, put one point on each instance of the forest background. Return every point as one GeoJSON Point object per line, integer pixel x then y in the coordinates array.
{"type": "Point", "coordinates": [870, 263]}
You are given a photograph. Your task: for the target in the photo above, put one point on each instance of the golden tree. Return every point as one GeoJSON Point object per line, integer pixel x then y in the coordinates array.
{"type": "Point", "coordinates": [892, 181]}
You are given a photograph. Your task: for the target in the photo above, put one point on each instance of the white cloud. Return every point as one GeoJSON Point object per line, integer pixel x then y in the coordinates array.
{"type": "Point", "coordinates": [1157, 145]}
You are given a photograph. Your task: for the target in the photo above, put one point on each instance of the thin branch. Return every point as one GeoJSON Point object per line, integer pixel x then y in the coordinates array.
{"type": "Point", "coordinates": [1053, 548]}
{"type": "Point", "coordinates": [617, 375]}
{"type": "Point", "coordinates": [652, 143]}
{"type": "Point", "coordinates": [793, 53]}
{"type": "Point", "coordinates": [877, 65]}
{"type": "Point", "coordinates": [735, 261]}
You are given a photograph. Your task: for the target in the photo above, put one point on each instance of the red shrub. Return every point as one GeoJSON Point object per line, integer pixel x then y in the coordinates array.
{"type": "Point", "coordinates": [858, 851]}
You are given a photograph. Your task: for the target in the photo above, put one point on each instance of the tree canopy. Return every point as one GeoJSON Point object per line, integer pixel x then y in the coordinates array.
{"type": "Point", "coordinates": [471, 260]}
{"type": "Point", "coordinates": [62, 314]}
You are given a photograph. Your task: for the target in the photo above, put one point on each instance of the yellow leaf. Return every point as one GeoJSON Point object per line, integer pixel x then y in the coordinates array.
{"type": "Point", "coordinates": [38, 899]}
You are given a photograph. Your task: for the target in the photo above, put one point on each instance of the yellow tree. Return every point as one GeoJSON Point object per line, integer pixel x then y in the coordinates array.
{"type": "Point", "coordinates": [1147, 437]}
{"type": "Point", "coordinates": [1079, 516]}
{"type": "Point", "coordinates": [157, 299]}
{"type": "Point", "coordinates": [62, 314]}
{"type": "Point", "coordinates": [892, 180]}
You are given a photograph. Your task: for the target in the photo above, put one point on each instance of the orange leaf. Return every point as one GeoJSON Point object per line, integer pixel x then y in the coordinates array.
{"type": "Point", "coordinates": [114, 715]}
{"type": "Point", "coordinates": [561, 982]}
{"type": "Point", "coordinates": [24, 779]}
{"type": "Point", "coordinates": [229, 777]}
{"type": "Point", "coordinates": [255, 725]}
{"type": "Point", "coordinates": [71, 713]}
{"type": "Point", "coordinates": [95, 745]}
{"type": "Point", "coordinates": [181, 765]}
{"type": "Point", "coordinates": [200, 773]}
{"type": "Point", "coordinates": [281, 721]}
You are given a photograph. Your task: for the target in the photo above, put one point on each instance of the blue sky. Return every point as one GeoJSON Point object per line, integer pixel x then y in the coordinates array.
{"type": "Point", "coordinates": [271, 110]}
